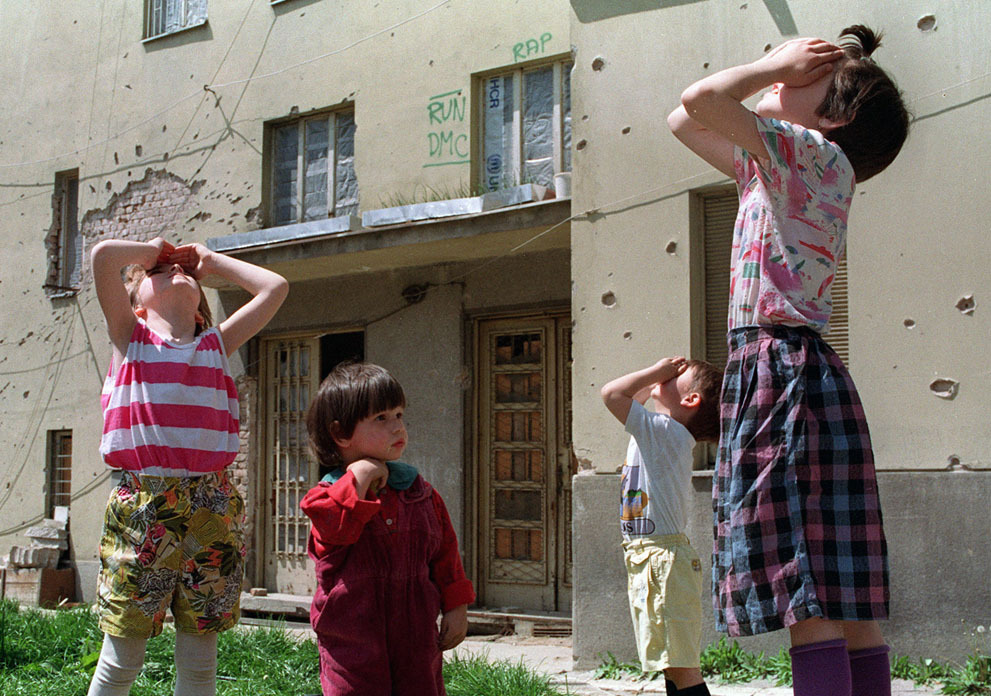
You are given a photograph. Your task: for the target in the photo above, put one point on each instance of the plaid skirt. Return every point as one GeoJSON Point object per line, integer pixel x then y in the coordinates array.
{"type": "Point", "coordinates": [797, 518]}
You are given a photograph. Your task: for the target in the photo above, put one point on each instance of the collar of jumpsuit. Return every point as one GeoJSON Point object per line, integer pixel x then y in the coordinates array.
{"type": "Point", "coordinates": [401, 475]}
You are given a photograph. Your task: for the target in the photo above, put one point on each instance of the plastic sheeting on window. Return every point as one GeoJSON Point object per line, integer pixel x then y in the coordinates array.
{"type": "Point", "coordinates": [566, 116]}
{"type": "Point", "coordinates": [345, 181]}
{"type": "Point", "coordinates": [284, 155]}
{"type": "Point", "coordinates": [538, 127]}
{"type": "Point", "coordinates": [497, 152]}
{"type": "Point", "coordinates": [315, 142]}
{"type": "Point", "coordinates": [169, 16]}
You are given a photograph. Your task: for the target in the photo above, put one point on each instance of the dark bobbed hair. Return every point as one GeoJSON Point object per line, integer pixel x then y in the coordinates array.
{"type": "Point", "coordinates": [708, 382]}
{"type": "Point", "coordinates": [865, 95]}
{"type": "Point", "coordinates": [351, 392]}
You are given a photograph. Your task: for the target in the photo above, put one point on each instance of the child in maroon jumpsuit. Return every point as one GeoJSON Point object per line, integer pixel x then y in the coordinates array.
{"type": "Point", "coordinates": [386, 555]}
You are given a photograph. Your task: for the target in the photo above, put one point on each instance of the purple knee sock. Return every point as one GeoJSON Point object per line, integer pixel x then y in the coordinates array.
{"type": "Point", "coordinates": [821, 669]}
{"type": "Point", "coordinates": [870, 671]}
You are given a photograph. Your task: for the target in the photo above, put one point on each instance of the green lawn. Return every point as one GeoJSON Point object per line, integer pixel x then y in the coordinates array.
{"type": "Point", "coordinates": [54, 653]}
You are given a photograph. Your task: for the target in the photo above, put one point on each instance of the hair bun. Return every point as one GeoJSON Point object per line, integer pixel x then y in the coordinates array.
{"type": "Point", "coordinates": [862, 40]}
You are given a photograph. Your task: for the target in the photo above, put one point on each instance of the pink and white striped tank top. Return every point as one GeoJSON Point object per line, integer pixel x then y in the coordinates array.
{"type": "Point", "coordinates": [170, 410]}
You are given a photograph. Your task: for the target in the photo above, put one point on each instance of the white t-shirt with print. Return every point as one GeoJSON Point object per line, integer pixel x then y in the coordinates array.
{"type": "Point", "coordinates": [657, 475]}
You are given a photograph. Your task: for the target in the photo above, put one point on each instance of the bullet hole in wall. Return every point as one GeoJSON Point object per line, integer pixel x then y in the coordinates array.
{"type": "Point", "coordinates": [598, 63]}
{"type": "Point", "coordinates": [953, 462]}
{"type": "Point", "coordinates": [672, 247]}
{"type": "Point", "coordinates": [966, 304]}
{"type": "Point", "coordinates": [581, 144]}
{"type": "Point", "coordinates": [909, 323]}
{"type": "Point", "coordinates": [627, 335]}
{"type": "Point", "coordinates": [767, 47]}
{"type": "Point", "coordinates": [944, 388]}
{"type": "Point", "coordinates": [626, 131]}
{"type": "Point", "coordinates": [609, 298]}
{"type": "Point", "coordinates": [116, 159]}
{"type": "Point", "coordinates": [138, 150]}
{"type": "Point", "coordinates": [927, 23]}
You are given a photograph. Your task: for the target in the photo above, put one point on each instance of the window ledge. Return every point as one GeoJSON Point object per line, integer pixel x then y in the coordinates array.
{"type": "Point", "coordinates": [156, 37]}
{"type": "Point", "coordinates": [517, 195]}
{"type": "Point", "coordinates": [322, 254]}
{"type": "Point", "coordinates": [295, 232]}
{"type": "Point", "coordinates": [59, 293]}
{"type": "Point", "coordinates": [377, 220]}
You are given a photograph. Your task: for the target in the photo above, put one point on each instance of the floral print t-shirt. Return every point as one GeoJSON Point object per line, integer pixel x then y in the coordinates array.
{"type": "Point", "coordinates": [791, 227]}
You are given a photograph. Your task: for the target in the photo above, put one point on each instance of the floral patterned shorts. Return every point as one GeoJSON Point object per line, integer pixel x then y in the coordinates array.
{"type": "Point", "coordinates": [171, 543]}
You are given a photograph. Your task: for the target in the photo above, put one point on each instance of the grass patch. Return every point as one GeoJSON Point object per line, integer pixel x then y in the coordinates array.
{"type": "Point", "coordinates": [55, 653]}
{"type": "Point", "coordinates": [729, 663]}
{"type": "Point", "coordinates": [476, 676]}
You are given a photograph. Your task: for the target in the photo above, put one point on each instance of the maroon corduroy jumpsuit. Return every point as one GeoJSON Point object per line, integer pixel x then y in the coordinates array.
{"type": "Point", "coordinates": [375, 608]}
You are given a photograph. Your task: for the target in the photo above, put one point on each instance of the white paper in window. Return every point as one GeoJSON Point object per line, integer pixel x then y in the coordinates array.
{"type": "Point", "coordinates": [315, 165]}
{"type": "Point", "coordinates": [346, 183]}
{"type": "Point", "coordinates": [285, 149]}
{"type": "Point", "coordinates": [538, 127]}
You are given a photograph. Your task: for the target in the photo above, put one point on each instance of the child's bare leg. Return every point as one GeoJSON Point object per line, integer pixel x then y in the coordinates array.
{"type": "Point", "coordinates": [683, 677]}
{"type": "Point", "coordinates": [861, 635]}
{"type": "Point", "coordinates": [815, 630]}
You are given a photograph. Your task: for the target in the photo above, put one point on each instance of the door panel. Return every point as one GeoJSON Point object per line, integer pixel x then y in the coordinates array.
{"type": "Point", "coordinates": [292, 377]}
{"type": "Point", "coordinates": [524, 513]}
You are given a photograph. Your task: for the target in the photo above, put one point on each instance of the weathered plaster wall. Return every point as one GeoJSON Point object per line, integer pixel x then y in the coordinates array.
{"type": "Point", "coordinates": [918, 243]}
{"type": "Point", "coordinates": [158, 154]}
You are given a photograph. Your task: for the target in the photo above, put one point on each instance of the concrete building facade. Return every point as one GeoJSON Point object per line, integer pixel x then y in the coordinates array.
{"type": "Point", "coordinates": [406, 166]}
{"type": "Point", "coordinates": [916, 257]}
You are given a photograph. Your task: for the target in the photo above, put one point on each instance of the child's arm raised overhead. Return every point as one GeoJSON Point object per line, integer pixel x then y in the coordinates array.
{"type": "Point", "coordinates": [618, 395]}
{"type": "Point", "coordinates": [269, 290]}
{"type": "Point", "coordinates": [108, 258]}
{"type": "Point", "coordinates": [712, 117]}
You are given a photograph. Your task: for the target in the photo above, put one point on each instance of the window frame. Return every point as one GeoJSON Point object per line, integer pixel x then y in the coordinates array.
{"type": "Point", "coordinates": [64, 279]}
{"type": "Point", "coordinates": [55, 457]}
{"type": "Point", "coordinates": [148, 19]}
{"type": "Point", "coordinates": [519, 71]}
{"type": "Point", "coordinates": [268, 173]}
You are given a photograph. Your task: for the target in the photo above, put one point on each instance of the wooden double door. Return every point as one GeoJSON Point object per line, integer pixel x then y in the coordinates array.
{"type": "Point", "coordinates": [524, 462]}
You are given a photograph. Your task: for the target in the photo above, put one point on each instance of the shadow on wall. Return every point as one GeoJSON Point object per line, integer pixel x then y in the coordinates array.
{"type": "Point", "coordinates": [595, 10]}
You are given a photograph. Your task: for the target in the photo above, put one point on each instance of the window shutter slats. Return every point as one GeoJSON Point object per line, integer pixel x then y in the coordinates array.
{"type": "Point", "coordinates": [718, 217]}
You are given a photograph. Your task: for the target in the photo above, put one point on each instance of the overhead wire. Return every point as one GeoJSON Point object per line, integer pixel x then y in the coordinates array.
{"type": "Point", "coordinates": [208, 87]}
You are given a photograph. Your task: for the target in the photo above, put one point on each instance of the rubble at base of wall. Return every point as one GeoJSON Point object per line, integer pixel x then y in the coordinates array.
{"type": "Point", "coordinates": [48, 541]}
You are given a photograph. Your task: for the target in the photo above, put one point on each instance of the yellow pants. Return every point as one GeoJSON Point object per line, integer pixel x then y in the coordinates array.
{"type": "Point", "coordinates": [665, 588]}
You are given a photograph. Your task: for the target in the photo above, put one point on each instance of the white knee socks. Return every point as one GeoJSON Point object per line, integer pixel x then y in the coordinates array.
{"type": "Point", "coordinates": [120, 662]}
{"type": "Point", "coordinates": [195, 664]}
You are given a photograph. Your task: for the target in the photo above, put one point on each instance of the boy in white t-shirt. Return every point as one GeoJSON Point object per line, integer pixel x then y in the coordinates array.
{"type": "Point", "coordinates": [664, 572]}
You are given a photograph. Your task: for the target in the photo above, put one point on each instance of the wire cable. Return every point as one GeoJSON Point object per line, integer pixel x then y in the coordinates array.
{"type": "Point", "coordinates": [199, 92]}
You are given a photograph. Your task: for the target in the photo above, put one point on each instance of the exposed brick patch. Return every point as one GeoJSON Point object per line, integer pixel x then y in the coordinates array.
{"type": "Point", "coordinates": [245, 464]}
{"type": "Point", "coordinates": [154, 206]}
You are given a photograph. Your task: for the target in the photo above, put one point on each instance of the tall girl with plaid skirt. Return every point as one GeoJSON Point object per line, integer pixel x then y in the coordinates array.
{"type": "Point", "coordinates": [799, 540]}
{"type": "Point", "coordinates": [172, 536]}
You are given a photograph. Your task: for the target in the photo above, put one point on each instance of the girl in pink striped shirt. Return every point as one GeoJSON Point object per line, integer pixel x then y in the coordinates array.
{"type": "Point", "coordinates": [172, 535]}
